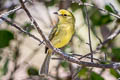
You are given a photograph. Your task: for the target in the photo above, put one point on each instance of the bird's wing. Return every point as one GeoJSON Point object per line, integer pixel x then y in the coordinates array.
{"type": "Point", "coordinates": [53, 32]}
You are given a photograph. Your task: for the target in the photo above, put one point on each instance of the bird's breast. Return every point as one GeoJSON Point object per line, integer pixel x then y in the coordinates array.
{"type": "Point", "coordinates": [64, 36]}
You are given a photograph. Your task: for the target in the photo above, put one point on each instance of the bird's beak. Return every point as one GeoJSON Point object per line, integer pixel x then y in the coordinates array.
{"type": "Point", "coordinates": [56, 13]}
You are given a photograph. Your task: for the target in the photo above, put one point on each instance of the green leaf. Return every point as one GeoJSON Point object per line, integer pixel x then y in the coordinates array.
{"type": "Point", "coordinates": [64, 64]}
{"type": "Point", "coordinates": [114, 73]}
{"type": "Point", "coordinates": [28, 27]}
{"type": "Point", "coordinates": [5, 37]}
{"type": "Point", "coordinates": [32, 71]}
{"type": "Point", "coordinates": [5, 67]}
{"type": "Point", "coordinates": [108, 7]}
{"type": "Point", "coordinates": [12, 15]}
{"type": "Point", "coordinates": [98, 18]}
{"type": "Point", "coordinates": [95, 76]}
{"type": "Point", "coordinates": [74, 6]}
{"type": "Point", "coordinates": [83, 72]}
{"type": "Point", "coordinates": [116, 54]}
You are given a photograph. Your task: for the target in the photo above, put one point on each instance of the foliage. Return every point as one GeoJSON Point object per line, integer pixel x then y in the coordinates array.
{"type": "Point", "coordinates": [5, 38]}
{"type": "Point", "coordinates": [32, 71]}
{"type": "Point", "coordinates": [95, 76]}
{"type": "Point", "coordinates": [114, 73]}
{"type": "Point", "coordinates": [115, 54]}
{"type": "Point", "coordinates": [98, 18]}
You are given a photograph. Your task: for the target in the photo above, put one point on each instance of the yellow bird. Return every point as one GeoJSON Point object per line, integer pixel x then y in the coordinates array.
{"type": "Point", "coordinates": [60, 35]}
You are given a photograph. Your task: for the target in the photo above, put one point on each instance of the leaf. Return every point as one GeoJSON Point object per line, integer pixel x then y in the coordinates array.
{"type": "Point", "coordinates": [28, 27]}
{"type": "Point", "coordinates": [74, 6]}
{"type": "Point", "coordinates": [116, 54]}
{"type": "Point", "coordinates": [108, 8]}
{"type": "Point", "coordinates": [32, 71]}
{"type": "Point", "coordinates": [5, 67]}
{"type": "Point", "coordinates": [64, 64]}
{"type": "Point", "coordinates": [12, 15]}
{"type": "Point", "coordinates": [114, 73]}
{"type": "Point", "coordinates": [98, 18]}
{"type": "Point", "coordinates": [83, 72]}
{"type": "Point", "coordinates": [5, 38]}
{"type": "Point", "coordinates": [95, 76]}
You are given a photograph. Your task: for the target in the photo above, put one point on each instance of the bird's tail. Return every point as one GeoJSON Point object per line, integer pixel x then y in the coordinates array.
{"type": "Point", "coordinates": [45, 66]}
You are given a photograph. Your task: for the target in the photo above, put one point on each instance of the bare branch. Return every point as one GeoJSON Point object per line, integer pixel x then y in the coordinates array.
{"type": "Point", "coordinates": [20, 29]}
{"type": "Point", "coordinates": [4, 15]}
{"type": "Point", "coordinates": [9, 12]}
{"type": "Point", "coordinates": [111, 37]}
{"type": "Point", "coordinates": [89, 34]}
{"type": "Point", "coordinates": [101, 9]}
{"type": "Point", "coordinates": [48, 44]}
{"type": "Point", "coordinates": [86, 57]}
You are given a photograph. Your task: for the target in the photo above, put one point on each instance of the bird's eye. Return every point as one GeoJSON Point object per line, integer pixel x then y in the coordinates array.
{"type": "Point", "coordinates": [64, 14]}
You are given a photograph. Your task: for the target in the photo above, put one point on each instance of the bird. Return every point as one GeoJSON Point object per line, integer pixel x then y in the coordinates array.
{"type": "Point", "coordinates": [59, 36]}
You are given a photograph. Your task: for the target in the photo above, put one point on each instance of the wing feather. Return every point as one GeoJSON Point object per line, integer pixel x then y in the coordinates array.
{"type": "Point", "coordinates": [53, 32]}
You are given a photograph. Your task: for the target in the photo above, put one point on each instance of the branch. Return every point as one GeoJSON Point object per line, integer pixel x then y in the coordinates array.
{"type": "Point", "coordinates": [48, 44]}
{"type": "Point", "coordinates": [20, 29]}
{"type": "Point", "coordinates": [4, 15]}
{"type": "Point", "coordinates": [75, 55]}
{"type": "Point", "coordinates": [101, 9]}
{"type": "Point", "coordinates": [9, 12]}
{"type": "Point", "coordinates": [89, 35]}
{"type": "Point", "coordinates": [111, 37]}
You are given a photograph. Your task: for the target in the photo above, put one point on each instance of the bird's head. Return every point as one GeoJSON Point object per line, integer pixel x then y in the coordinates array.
{"type": "Point", "coordinates": [65, 16]}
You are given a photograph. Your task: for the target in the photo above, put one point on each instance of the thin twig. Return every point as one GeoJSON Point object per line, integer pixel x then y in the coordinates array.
{"type": "Point", "coordinates": [15, 60]}
{"type": "Point", "coordinates": [114, 8]}
{"type": "Point", "coordinates": [48, 44]}
{"type": "Point", "coordinates": [89, 34]}
{"type": "Point", "coordinates": [86, 57]}
{"type": "Point", "coordinates": [100, 41]}
{"type": "Point", "coordinates": [9, 12]}
{"type": "Point", "coordinates": [101, 9]}
{"type": "Point", "coordinates": [20, 29]}
{"type": "Point", "coordinates": [111, 37]}
{"type": "Point", "coordinates": [75, 74]}
{"type": "Point", "coordinates": [4, 15]}
{"type": "Point", "coordinates": [55, 58]}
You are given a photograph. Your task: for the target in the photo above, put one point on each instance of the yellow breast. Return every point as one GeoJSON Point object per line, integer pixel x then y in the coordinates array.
{"type": "Point", "coordinates": [63, 37]}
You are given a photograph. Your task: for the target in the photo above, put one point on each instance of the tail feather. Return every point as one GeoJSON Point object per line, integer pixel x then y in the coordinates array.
{"type": "Point", "coordinates": [45, 65]}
